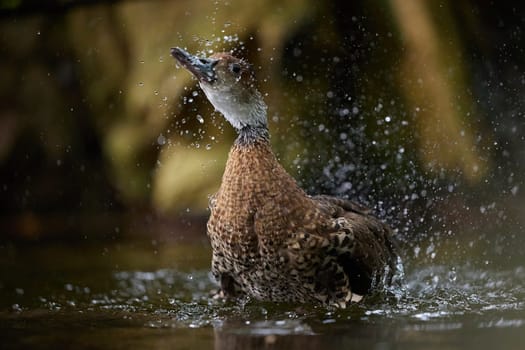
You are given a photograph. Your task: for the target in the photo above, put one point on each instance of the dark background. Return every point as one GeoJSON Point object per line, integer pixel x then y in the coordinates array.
{"type": "Point", "coordinates": [412, 107]}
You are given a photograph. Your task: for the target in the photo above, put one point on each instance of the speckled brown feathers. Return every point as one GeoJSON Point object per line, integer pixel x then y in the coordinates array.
{"type": "Point", "coordinates": [274, 242]}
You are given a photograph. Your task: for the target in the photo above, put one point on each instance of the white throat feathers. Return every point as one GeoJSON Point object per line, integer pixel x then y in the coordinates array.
{"type": "Point", "coordinates": [240, 108]}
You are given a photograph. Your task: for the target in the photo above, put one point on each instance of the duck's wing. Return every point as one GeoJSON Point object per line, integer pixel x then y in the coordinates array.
{"type": "Point", "coordinates": [341, 205]}
{"type": "Point", "coordinates": [370, 259]}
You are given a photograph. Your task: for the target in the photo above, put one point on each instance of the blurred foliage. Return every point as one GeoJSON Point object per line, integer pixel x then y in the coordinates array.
{"type": "Point", "coordinates": [395, 99]}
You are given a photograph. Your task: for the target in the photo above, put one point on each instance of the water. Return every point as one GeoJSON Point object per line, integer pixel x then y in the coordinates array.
{"type": "Point", "coordinates": [135, 294]}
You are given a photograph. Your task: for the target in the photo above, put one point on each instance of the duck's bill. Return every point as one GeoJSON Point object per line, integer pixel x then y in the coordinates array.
{"type": "Point", "coordinates": [201, 68]}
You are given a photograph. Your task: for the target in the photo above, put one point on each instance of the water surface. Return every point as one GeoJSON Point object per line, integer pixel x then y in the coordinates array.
{"type": "Point", "coordinates": [137, 294]}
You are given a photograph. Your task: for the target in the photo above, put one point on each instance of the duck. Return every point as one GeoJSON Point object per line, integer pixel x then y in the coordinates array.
{"type": "Point", "coordinates": [270, 240]}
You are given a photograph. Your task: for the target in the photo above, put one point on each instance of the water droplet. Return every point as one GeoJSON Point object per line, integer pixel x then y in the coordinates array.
{"type": "Point", "coordinates": [452, 275]}
{"type": "Point", "coordinates": [200, 118]}
{"type": "Point", "coordinates": [344, 112]}
{"type": "Point", "coordinates": [417, 250]}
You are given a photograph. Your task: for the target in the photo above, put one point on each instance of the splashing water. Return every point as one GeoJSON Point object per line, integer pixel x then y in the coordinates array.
{"type": "Point", "coordinates": [127, 286]}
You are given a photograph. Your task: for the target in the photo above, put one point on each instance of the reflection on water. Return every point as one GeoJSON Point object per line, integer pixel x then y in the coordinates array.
{"type": "Point", "coordinates": [140, 296]}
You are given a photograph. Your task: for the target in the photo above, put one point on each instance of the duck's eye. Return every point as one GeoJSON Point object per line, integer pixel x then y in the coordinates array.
{"type": "Point", "coordinates": [235, 68]}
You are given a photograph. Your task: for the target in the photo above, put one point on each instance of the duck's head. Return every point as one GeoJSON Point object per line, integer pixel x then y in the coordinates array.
{"type": "Point", "coordinates": [229, 83]}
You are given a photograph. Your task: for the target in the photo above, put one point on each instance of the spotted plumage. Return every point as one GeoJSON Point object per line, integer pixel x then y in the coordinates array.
{"type": "Point", "coordinates": [271, 240]}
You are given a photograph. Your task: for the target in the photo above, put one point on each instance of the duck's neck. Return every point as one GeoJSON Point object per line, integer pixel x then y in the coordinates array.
{"type": "Point", "coordinates": [253, 173]}
{"type": "Point", "coordinates": [250, 134]}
